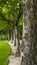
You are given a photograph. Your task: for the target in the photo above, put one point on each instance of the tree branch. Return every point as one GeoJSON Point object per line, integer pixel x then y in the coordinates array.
{"type": "Point", "coordinates": [19, 15]}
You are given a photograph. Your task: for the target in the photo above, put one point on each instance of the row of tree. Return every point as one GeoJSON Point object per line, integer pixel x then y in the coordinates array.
{"type": "Point", "coordinates": [11, 12]}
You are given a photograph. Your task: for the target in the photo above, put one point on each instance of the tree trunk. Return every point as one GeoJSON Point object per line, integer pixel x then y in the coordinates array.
{"type": "Point", "coordinates": [8, 35]}
{"type": "Point", "coordinates": [22, 44]}
{"type": "Point", "coordinates": [30, 33]}
{"type": "Point", "coordinates": [11, 36]}
{"type": "Point", "coordinates": [17, 41]}
{"type": "Point", "coordinates": [14, 37]}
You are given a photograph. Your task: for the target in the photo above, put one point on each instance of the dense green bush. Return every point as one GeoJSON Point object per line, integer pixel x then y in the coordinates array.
{"type": "Point", "coordinates": [5, 51]}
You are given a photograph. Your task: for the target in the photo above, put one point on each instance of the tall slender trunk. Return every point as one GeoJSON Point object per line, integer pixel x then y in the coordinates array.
{"type": "Point", "coordinates": [22, 44]}
{"type": "Point", "coordinates": [8, 35]}
{"type": "Point", "coordinates": [29, 34]}
{"type": "Point", "coordinates": [11, 36]}
{"type": "Point", "coordinates": [14, 38]}
{"type": "Point", "coordinates": [17, 42]}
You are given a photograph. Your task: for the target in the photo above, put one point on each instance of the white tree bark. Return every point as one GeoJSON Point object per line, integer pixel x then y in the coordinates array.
{"type": "Point", "coordinates": [27, 32]}
{"type": "Point", "coordinates": [14, 37]}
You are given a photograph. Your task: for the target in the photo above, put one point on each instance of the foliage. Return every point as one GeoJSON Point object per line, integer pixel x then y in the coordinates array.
{"type": "Point", "coordinates": [5, 51]}
{"type": "Point", "coordinates": [3, 25]}
{"type": "Point", "coordinates": [9, 13]}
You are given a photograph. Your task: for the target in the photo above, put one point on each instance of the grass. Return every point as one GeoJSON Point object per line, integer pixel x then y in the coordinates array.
{"type": "Point", "coordinates": [5, 51]}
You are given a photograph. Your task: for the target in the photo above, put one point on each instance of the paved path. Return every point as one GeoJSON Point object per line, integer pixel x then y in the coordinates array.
{"type": "Point", "coordinates": [12, 59]}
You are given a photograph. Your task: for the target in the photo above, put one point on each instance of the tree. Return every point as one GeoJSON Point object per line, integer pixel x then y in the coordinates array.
{"type": "Point", "coordinates": [9, 11]}
{"type": "Point", "coordinates": [30, 33]}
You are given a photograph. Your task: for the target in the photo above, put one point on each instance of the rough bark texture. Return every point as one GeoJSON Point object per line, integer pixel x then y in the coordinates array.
{"type": "Point", "coordinates": [30, 33]}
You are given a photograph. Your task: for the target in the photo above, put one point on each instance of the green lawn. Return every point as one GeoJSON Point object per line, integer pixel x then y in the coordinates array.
{"type": "Point", "coordinates": [5, 51]}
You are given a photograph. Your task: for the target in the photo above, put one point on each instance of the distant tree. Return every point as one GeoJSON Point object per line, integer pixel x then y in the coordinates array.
{"type": "Point", "coordinates": [11, 11]}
